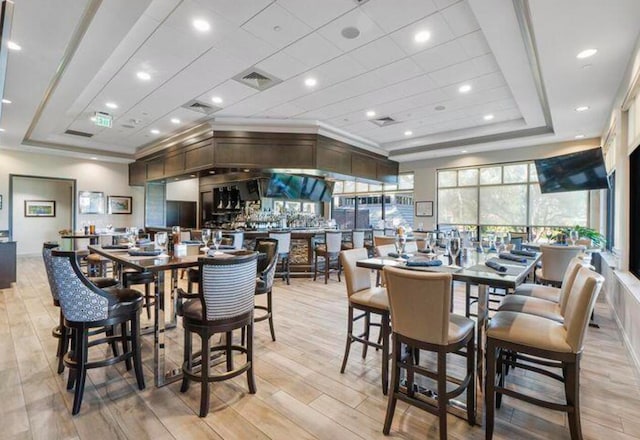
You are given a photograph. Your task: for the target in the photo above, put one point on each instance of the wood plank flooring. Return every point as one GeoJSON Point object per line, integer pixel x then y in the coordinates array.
{"type": "Point", "coordinates": [301, 394]}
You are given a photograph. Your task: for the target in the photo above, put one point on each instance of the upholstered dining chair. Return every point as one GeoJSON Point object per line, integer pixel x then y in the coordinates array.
{"type": "Point", "coordinates": [420, 304]}
{"type": "Point", "coordinates": [224, 303]}
{"type": "Point", "coordinates": [555, 259]}
{"type": "Point", "coordinates": [329, 251]}
{"type": "Point", "coordinates": [284, 250]}
{"type": "Point", "coordinates": [381, 240]}
{"type": "Point", "coordinates": [357, 240]}
{"type": "Point", "coordinates": [86, 307]}
{"type": "Point", "coordinates": [533, 343]}
{"type": "Point", "coordinates": [59, 331]}
{"type": "Point", "coordinates": [370, 301]}
{"type": "Point", "coordinates": [265, 277]}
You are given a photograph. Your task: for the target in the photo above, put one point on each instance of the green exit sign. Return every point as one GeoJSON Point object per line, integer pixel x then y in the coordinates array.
{"type": "Point", "coordinates": [103, 119]}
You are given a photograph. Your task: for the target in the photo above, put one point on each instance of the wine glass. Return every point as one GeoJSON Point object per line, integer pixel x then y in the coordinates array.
{"type": "Point", "coordinates": [206, 236]}
{"type": "Point", "coordinates": [161, 239]}
{"type": "Point", "coordinates": [132, 235]}
{"type": "Point", "coordinates": [400, 243]}
{"type": "Point", "coordinates": [498, 243]}
{"type": "Point", "coordinates": [453, 246]}
{"type": "Point", "coordinates": [217, 238]}
{"type": "Point", "coordinates": [574, 235]}
{"type": "Point", "coordinates": [485, 245]}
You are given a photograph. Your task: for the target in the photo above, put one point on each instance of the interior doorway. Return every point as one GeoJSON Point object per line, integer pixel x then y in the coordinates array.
{"type": "Point", "coordinates": [39, 207]}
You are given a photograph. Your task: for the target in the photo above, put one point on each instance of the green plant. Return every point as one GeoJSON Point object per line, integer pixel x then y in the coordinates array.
{"type": "Point", "coordinates": [596, 238]}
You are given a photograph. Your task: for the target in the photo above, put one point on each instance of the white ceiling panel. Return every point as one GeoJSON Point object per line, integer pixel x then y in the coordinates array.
{"type": "Point", "coordinates": [398, 71]}
{"type": "Point", "coordinates": [393, 15]}
{"type": "Point", "coordinates": [182, 17]}
{"type": "Point", "coordinates": [229, 91]}
{"type": "Point", "coordinates": [434, 24]}
{"type": "Point", "coordinates": [336, 70]}
{"type": "Point", "coordinates": [317, 13]}
{"type": "Point", "coordinates": [443, 4]}
{"type": "Point", "coordinates": [234, 12]}
{"type": "Point", "coordinates": [245, 46]}
{"type": "Point", "coordinates": [286, 110]}
{"type": "Point", "coordinates": [474, 44]}
{"type": "Point", "coordinates": [313, 50]}
{"type": "Point", "coordinates": [369, 30]}
{"type": "Point", "coordinates": [378, 53]}
{"type": "Point", "coordinates": [465, 71]}
{"type": "Point", "coordinates": [276, 26]}
{"type": "Point", "coordinates": [282, 66]}
{"type": "Point", "coordinates": [460, 19]}
{"type": "Point", "coordinates": [441, 56]}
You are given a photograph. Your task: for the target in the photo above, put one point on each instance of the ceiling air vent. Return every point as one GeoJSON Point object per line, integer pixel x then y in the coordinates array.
{"type": "Point", "coordinates": [257, 79]}
{"type": "Point", "coordinates": [200, 107]}
{"type": "Point", "coordinates": [78, 133]}
{"type": "Point", "coordinates": [384, 121]}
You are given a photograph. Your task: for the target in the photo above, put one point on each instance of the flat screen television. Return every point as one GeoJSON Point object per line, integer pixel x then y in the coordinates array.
{"type": "Point", "coordinates": [288, 186]}
{"type": "Point", "coordinates": [249, 190]}
{"type": "Point", "coordinates": [317, 190]}
{"type": "Point", "coordinates": [572, 172]}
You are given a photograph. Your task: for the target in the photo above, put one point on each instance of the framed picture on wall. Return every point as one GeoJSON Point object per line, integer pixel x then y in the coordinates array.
{"type": "Point", "coordinates": [91, 202]}
{"type": "Point", "coordinates": [39, 208]}
{"type": "Point", "coordinates": [424, 209]}
{"type": "Point", "coordinates": [119, 204]}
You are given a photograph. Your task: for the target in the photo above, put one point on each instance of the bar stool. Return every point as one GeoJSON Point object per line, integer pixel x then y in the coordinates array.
{"type": "Point", "coordinates": [59, 332]}
{"type": "Point", "coordinates": [357, 240]}
{"type": "Point", "coordinates": [329, 251]}
{"type": "Point", "coordinates": [224, 303]}
{"type": "Point", "coordinates": [369, 300]}
{"type": "Point", "coordinates": [237, 239]}
{"type": "Point", "coordinates": [284, 249]}
{"type": "Point", "coordinates": [264, 281]}
{"type": "Point", "coordinates": [420, 304]}
{"type": "Point", "coordinates": [532, 342]}
{"type": "Point", "coordinates": [86, 307]}
{"type": "Point", "coordinates": [133, 278]}
{"type": "Point", "coordinates": [97, 265]}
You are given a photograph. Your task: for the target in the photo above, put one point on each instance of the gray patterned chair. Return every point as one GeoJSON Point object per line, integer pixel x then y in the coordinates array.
{"type": "Point", "coordinates": [85, 307]}
{"type": "Point", "coordinates": [58, 331]}
{"type": "Point", "coordinates": [266, 275]}
{"type": "Point", "coordinates": [224, 302]}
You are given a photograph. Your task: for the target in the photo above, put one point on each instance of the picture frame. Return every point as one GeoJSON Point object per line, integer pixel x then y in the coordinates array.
{"type": "Point", "coordinates": [0, 201]}
{"type": "Point", "coordinates": [119, 204]}
{"type": "Point", "coordinates": [424, 208]}
{"type": "Point", "coordinates": [91, 202]}
{"type": "Point", "coordinates": [39, 208]}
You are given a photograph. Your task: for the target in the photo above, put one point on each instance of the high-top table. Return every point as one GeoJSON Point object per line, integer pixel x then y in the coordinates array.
{"type": "Point", "coordinates": [473, 271]}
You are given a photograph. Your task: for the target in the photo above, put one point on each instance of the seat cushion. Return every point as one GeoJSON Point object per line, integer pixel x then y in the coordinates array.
{"type": "Point", "coordinates": [532, 306]}
{"type": "Point", "coordinates": [375, 297]}
{"type": "Point", "coordinates": [529, 330]}
{"type": "Point", "coordinates": [129, 300]}
{"type": "Point", "coordinates": [540, 276]}
{"type": "Point", "coordinates": [261, 286]}
{"type": "Point", "coordinates": [103, 282]}
{"type": "Point", "coordinates": [192, 309]}
{"type": "Point", "coordinates": [459, 327]}
{"type": "Point", "coordinates": [538, 291]}
{"type": "Point", "coordinates": [193, 275]}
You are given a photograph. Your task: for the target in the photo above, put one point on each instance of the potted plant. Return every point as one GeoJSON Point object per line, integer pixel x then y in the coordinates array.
{"type": "Point", "coordinates": [596, 238]}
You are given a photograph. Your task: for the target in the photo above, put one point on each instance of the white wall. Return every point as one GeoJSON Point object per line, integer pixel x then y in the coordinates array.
{"type": "Point", "coordinates": [109, 178]}
{"type": "Point", "coordinates": [425, 185]}
{"type": "Point", "coordinates": [31, 232]}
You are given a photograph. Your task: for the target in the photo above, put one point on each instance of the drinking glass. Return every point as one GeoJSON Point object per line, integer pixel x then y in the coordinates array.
{"type": "Point", "coordinates": [485, 245]}
{"type": "Point", "coordinates": [161, 239]}
{"type": "Point", "coordinates": [132, 235]}
{"type": "Point", "coordinates": [217, 238]}
{"type": "Point", "coordinates": [432, 242]}
{"type": "Point", "coordinates": [400, 243]}
{"type": "Point", "coordinates": [453, 246]}
{"type": "Point", "coordinates": [574, 235]}
{"type": "Point", "coordinates": [498, 243]}
{"type": "Point", "coordinates": [206, 236]}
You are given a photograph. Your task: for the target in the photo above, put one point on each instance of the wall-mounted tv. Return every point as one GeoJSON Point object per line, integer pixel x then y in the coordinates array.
{"type": "Point", "coordinates": [572, 172]}
{"type": "Point", "coordinates": [288, 186]}
{"type": "Point", "coordinates": [249, 190]}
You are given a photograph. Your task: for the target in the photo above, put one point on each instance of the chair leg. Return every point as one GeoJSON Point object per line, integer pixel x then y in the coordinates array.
{"type": "Point", "coordinates": [188, 360]}
{"type": "Point", "coordinates": [63, 345]}
{"type": "Point", "coordinates": [490, 384]}
{"type": "Point", "coordinates": [572, 392]}
{"type": "Point", "coordinates": [471, 389]}
{"type": "Point", "coordinates": [204, 385]}
{"type": "Point", "coordinates": [147, 299]}
{"type": "Point", "coordinates": [229, 353]}
{"type": "Point", "coordinates": [395, 382]}
{"type": "Point", "coordinates": [288, 270]}
{"type": "Point", "coordinates": [270, 312]}
{"type": "Point", "coordinates": [442, 394]}
{"type": "Point", "coordinates": [110, 332]}
{"type": "Point", "coordinates": [349, 339]}
{"type": "Point", "coordinates": [137, 353]}
{"type": "Point", "coordinates": [315, 267]}
{"type": "Point", "coordinates": [71, 380]}
{"type": "Point", "coordinates": [501, 370]}
{"type": "Point", "coordinates": [327, 267]}
{"type": "Point", "coordinates": [251, 381]}
{"type": "Point", "coordinates": [367, 327]}
{"type": "Point", "coordinates": [82, 354]}
{"type": "Point", "coordinates": [125, 344]}
{"type": "Point", "coordinates": [384, 328]}
{"type": "Point", "coordinates": [467, 299]}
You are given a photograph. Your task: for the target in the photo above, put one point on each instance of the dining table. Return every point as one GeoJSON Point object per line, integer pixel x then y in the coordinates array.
{"type": "Point", "coordinates": [472, 270]}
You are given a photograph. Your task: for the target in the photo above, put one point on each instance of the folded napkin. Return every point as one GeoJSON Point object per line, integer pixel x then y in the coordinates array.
{"type": "Point", "coordinates": [152, 253]}
{"type": "Point", "coordinates": [396, 255]}
{"type": "Point", "coordinates": [523, 253]}
{"type": "Point", "coordinates": [425, 251]}
{"type": "Point", "coordinates": [424, 263]}
{"type": "Point", "coordinates": [222, 246]}
{"type": "Point", "coordinates": [508, 256]}
{"type": "Point", "coordinates": [192, 242]}
{"type": "Point", "coordinates": [493, 264]}
{"type": "Point", "coordinates": [115, 246]}
{"type": "Point", "coordinates": [143, 241]}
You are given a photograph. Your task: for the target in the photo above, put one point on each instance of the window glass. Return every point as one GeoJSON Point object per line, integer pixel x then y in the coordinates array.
{"type": "Point", "coordinates": [447, 178]}
{"type": "Point", "coordinates": [558, 209]}
{"type": "Point", "coordinates": [343, 211]}
{"type": "Point", "coordinates": [468, 177]}
{"type": "Point", "coordinates": [362, 187]}
{"type": "Point", "coordinates": [515, 173]}
{"type": "Point", "coordinates": [458, 206]}
{"type": "Point", "coordinates": [399, 210]}
{"type": "Point", "coordinates": [503, 205]}
{"type": "Point", "coordinates": [349, 186]}
{"type": "Point", "coordinates": [338, 188]}
{"type": "Point", "coordinates": [375, 188]}
{"type": "Point", "coordinates": [292, 206]}
{"type": "Point", "coordinates": [310, 207]}
{"type": "Point", "coordinates": [390, 187]}
{"type": "Point", "coordinates": [405, 181]}
{"type": "Point", "coordinates": [369, 210]}
{"type": "Point", "coordinates": [490, 176]}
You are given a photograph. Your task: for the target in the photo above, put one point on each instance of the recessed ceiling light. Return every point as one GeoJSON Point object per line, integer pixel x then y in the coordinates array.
{"type": "Point", "coordinates": [488, 117]}
{"type": "Point", "coordinates": [6, 101]}
{"type": "Point", "coordinates": [13, 46]}
{"type": "Point", "coordinates": [465, 88]}
{"type": "Point", "coordinates": [201, 25]}
{"type": "Point", "coordinates": [579, 136]}
{"type": "Point", "coordinates": [587, 53]}
{"type": "Point", "coordinates": [582, 108]}
{"type": "Point", "coordinates": [112, 105]}
{"type": "Point", "coordinates": [408, 133]}
{"type": "Point", "coordinates": [175, 120]}
{"type": "Point", "coordinates": [350, 32]}
{"type": "Point", "coordinates": [371, 114]}
{"type": "Point", "coordinates": [246, 170]}
{"type": "Point", "coordinates": [217, 100]}
{"type": "Point", "coordinates": [176, 178]}
{"type": "Point", "coordinates": [422, 36]}
{"type": "Point", "coordinates": [92, 119]}
{"type": "Point", "coordinates": [2, 129]}
{"type": "Point", "coordinates": [94, 158]}
{"type": "Point", "coordinates": [277, 28]}
{"type": "Point", "coordinates": [154, 131]}
{"type": "Point", "coordinates": [144, 76]}
{"type": "Point", "coordinates": [192, 175]}
{"type": "Point", "coordinates": [463, 151]}
{"type": "Point", "coordinates": [212, 172]}
{"type": "Point", "coordinates": [439, 108]}
{"type": "Point", "coordinates": [310, 82]}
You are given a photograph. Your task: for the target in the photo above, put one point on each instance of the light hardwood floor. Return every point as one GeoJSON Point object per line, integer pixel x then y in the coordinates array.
{"type": "Point", "coordinates": [301, 394]}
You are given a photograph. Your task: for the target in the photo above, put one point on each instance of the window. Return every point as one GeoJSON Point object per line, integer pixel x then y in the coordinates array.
{"type": "Point", "coordinates": [611, 209]}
